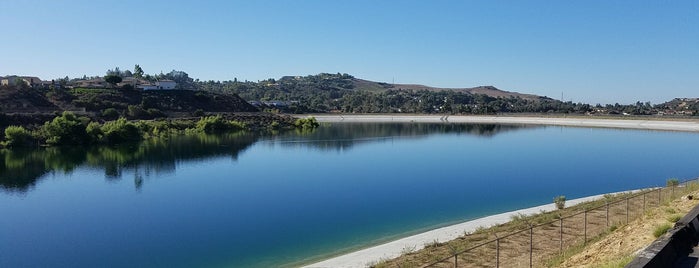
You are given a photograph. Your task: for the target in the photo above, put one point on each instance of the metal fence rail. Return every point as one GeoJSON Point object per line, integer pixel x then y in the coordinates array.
{"type": "Point", "coordinates": [535, 244]}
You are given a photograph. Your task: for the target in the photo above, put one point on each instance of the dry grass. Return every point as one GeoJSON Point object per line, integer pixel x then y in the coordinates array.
{"type": "Point", "coordinates": [606, 227]}
{"type": "Point", "coordinates": [620, 246]}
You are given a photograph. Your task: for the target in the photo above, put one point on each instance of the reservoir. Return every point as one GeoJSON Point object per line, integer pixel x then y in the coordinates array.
{"type": "Point", "coordinates": [248, 200]}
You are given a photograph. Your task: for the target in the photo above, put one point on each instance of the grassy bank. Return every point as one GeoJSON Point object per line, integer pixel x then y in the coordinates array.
{"type": "Point", "coordinates": [546, 239]}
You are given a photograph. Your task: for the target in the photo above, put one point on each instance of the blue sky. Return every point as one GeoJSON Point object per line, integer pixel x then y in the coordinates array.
{"type": "Point", "coordinates": [591, 51]}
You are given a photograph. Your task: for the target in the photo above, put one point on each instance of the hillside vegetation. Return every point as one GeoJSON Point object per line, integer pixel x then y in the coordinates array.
{"type": "Point", "coordinates": [321, 93]}
{"type": "Point", "coordinates": [113, 103]}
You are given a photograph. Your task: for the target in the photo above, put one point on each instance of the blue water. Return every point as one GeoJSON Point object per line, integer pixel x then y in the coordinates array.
{"type": "Point", "coordinates": [257, 201]}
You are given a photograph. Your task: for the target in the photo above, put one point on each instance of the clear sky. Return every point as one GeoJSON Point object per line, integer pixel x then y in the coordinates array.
{"type": "Point", "coordinates": [591, 51]}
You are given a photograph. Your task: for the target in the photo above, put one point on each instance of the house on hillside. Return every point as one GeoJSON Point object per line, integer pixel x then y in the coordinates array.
{"type": "Point", "coordinates": [159, 85]}
{"type": "Point", "coordinates": [166, 84]}
{"type": "Point", "coordinates": [134, 82]}
{"type": "Point", "coordinates": [31, 81]}
{"type": "Point", "coordinates": [91, 83]}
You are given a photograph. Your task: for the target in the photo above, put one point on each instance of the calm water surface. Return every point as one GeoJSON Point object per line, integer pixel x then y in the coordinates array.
{"type": "Point", "coordinates": [256, 201]}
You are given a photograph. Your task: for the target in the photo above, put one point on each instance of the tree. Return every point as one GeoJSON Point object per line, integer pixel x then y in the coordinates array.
{"type": "Point", "coordinates": [17, 136]}
{"type": "Point", "coordinates": [560, 201]}
{"type": "Point", "coordinates": [66, 129]}
{"type": "Point", "coordinates": [112, 79]}
{"type": "Point", "coordinates": [137, 71]}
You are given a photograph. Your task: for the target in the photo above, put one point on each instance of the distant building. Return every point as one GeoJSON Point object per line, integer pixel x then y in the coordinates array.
{"type": "Point", "coordinates": [166, 84]}
{"type": "Point", "coordinates": [31, 81]}
{"type": "Point", "coordinates": [147, 87]}
{"type": "Point", "coordinates": [91, 83]}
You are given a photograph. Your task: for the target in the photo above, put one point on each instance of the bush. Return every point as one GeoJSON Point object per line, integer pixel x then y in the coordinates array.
{"type": "Point", "coordinates": [199, 112]}
{"type": "Point", "coordinates": [217, 124]}
{"type": "Point", "coordinates": [94, 131]}
{"type": "Point", "coordinates": [674, 218]}
{"type": "Point", "coordinates": [661, 230]}
{"type": "Point", "coordinates": [671, 182]}
{"type": "Point", "coordinates": [135, 111]}
{"type": "Point", "coordinates": [306, 123]}
{"type": "Point", "coordinates": [64, 130]}
{"type": "Point", "coordinates": [120, 131]}
{"type": "Point", "coordinates": [16, 136]}
{"type": "Point", "coordinates": [155, 113]}
{"type": "Point", "coordinates": [560, 201]}
{"type": "Point", "coordinates": [110, 113]}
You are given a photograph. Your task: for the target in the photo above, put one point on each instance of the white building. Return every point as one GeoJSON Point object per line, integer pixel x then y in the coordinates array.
{"type": "Point", "coordinates": [13, 79]}
{"type": "Point", "coordinates": [166, 84]}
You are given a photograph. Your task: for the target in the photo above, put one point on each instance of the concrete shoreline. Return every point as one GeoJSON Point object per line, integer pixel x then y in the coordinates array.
{"type": "Point", "coordinates": [390, 250]}
{"type": "Point", "coordinates": [686, 126]}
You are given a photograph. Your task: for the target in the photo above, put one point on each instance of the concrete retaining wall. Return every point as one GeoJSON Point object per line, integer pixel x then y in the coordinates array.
{"type": "Point", "coordinates": [671, 248]}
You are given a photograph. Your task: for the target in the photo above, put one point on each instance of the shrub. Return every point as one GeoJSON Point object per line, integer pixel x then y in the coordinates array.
{"type": "Point", "coordinates": [560, 201]}
{"type": "Point", "coordinates": [94, 131]}
{"type": "Point", "coordinates": [63, 130]}
{"type": "Point", "coordinates": [306, 123]}
{"type": "Point", "coordinates": [217, 124]}
{"type": "Point", "coordinates": [199, 113]}
{"type": "Point", "coordinates": [135, 111]}
{"type": "Point", "coordinates": [16, 136]}
{"type": "Point", "coordinates": [674, 218]}
{"type": "Point", "coordinates": [110, 113]}
{"type": "Point", "coordinates": [661, 230]}
{"type": "Point", "coordinates": [120, 131]}
{"type": "Point", "coordinates": [671, 182]}
{"type": "Point", "coordinates": [155, 113]}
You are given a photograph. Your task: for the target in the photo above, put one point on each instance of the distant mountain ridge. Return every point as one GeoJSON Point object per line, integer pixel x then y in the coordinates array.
{"type": "Point", "coordinates": [485, 90]}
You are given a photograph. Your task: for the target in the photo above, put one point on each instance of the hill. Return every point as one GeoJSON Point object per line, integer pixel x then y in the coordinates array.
{"type": "Point", "coordinates": [344, 93]}
{"type": "Point", "coordinates": [123, 102]}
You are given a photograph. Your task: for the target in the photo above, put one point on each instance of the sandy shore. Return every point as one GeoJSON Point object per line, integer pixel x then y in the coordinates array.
{"type": "Point", "coordinates": [363, 258]}
{"type": "Point", "coordinates": [691, 126]}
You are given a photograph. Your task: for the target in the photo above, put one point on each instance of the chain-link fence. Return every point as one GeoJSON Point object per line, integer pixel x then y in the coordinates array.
{"type": "Point", "coordinates": [533, 245]}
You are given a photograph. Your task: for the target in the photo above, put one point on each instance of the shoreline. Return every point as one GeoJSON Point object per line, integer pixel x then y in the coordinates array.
{"type": "Point", "coordinates": [641, 124]}
{"type": "Point", "coordinates": [366, 257]}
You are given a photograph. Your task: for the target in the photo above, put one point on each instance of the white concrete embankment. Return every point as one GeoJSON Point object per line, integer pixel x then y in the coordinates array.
{"type": "Point", "coordinates": [691, 126]}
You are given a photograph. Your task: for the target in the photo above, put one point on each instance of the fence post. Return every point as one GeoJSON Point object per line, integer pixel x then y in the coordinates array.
{"type": "Point", "coordinates": [606, 216]}
{"type": "Point", "coordinates": [627, 210]}
{"type": "Point", "coordinates": [644, 202]}
{"type": "Point", "coordinates": [585, 228]}
{"type": "Point", "coordinates": [497, 251]}
{"type": "Point", "coordinates": [560, 218]}
{"type": "Point", "coordinates": [531, 245]}
{"type": "Point", "coordinates": [456, 260]}
{"type": "Point", "coordinates": [660, 196]}
{"type": "Point", "coordinates": [672, 192]}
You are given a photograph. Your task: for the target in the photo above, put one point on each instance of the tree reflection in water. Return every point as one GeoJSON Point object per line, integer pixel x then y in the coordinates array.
{"type": "Point", "coordinates": [22, 169]}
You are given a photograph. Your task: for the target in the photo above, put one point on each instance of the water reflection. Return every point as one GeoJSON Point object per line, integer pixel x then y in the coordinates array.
{"type": "Point", "coordinates": [22, 169]}
{"type": "Point", "coordinates": [343, 136]}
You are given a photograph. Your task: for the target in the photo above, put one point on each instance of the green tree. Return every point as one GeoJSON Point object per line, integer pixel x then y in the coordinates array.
{"type": "Point", "coordinates": [17, 136]}
{"type": "Point", "coordinates": [120, 131]}
{"type": "Point", "coordinates": [63, 130]}
{"type": "Point", "coordinates": [137, 71]}
{"type": "Point", "coordinates": [112, 79]}
{"type": "Point", "coordinates": [560, 201]}
{"type": "Point", "coordinates": [217, 124]}
{"type": "Point", "coordinates": [110, 113]}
